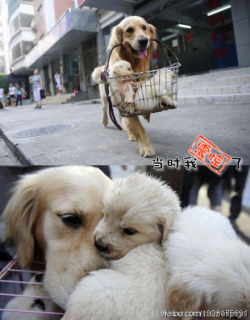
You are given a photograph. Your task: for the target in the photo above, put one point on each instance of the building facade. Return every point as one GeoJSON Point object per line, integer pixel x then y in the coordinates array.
{"type": "Point", "coordinates": [4, 36]}
{"type": "Point", "coordinates": [73, 35]}
{"type": "Point", "coordinates": [22, 36]}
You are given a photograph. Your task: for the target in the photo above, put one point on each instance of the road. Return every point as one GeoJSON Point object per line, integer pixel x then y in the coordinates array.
{"type": "Point", "coordinates": [72, 134]}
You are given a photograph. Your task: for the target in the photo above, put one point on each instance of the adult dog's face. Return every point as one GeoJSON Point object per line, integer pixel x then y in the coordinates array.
{"type": "Point", "coordinates": [135, 34]}
{"type": "Point", "coordinates": [53, 213]}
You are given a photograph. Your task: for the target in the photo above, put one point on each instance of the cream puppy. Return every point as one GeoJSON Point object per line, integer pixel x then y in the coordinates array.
{"type": "Point", "coordinates": [156, 90]}
{"type": "Point", "coordinates": [209, 265]}
{"type": "Point", "coordinates": [137, 210]}
{"type": "Point", "coordinates": [34, 299]}
{"type": "Point", "coordinates": [122, 84]}
{"type": "Point", "coordinates": [138, 213]}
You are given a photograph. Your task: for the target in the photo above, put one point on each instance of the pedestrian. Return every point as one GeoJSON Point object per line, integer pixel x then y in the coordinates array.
{"type": "Point", "coordinates": [65, 81]}
{"type": "Point", "coordinates": [58, 80]}
{"type": "Point", "coordinates": [240, 177]}
{"type": "Point", "coordinates": [37, 85]}
{"type": "Point", "coordinates": [12, 94]}
{"type": "Point", "coordinates": [19, 92]}
{"type": "Point", "coordinates": [2, 99]}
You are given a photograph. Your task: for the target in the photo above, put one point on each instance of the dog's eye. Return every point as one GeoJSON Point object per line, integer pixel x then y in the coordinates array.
{"type": "Point", "coordinates": [129, 69]}
{"type": "Point", "coordinates": [130, 30]}
{"type": "Point", "coordinates": [144, 28]}
{"type": "Point", "coordinates": [71, 220]}
{"type": "Point", "coordinates": [39, 303]}
{"type": "Point", "coordinates": [130, 231]}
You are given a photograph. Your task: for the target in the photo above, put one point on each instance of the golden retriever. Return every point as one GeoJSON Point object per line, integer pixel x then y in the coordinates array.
{"type": "Point", "coordinates": [135, 35]}
{"type": "Point", "coordinates": [52, 215]}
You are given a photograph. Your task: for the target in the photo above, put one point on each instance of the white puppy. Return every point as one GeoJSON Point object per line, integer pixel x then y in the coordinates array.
{"type": "Point", "coordinates": [33, 299]}
{"type": "Point", "coordinates": [209, 265]}
{"type": "Point", "coordinates": [155, 91]}
{"type": "Point", "coordinates": [138, 213]}
{"type": "Point", "coordinates": [133, 288]}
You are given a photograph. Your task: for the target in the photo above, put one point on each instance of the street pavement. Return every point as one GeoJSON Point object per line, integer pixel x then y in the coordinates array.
{"type": "Point", "coordinates": [83, 140]}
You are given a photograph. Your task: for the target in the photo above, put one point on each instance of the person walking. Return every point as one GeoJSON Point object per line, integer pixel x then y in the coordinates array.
{"type": "Point", "coordinates": [58, 80]}
{"type": "Point", "coordinates": [2, 99]}
{"type": "Point", "coordinates": [19, 95]}
{"type": "Point", "coordinates": [12, 94]}
{"type": "Point", "coordinates": [37, 85]}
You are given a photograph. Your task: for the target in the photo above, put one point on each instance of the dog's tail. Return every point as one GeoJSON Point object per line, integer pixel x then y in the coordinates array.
{"type": "Point", "coordinates": [96, 74]}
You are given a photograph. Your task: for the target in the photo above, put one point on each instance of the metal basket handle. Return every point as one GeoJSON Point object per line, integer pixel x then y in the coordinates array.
{"type": "Point", "coordinates": [165, 49]}
{"type": "Point", "coordinates": [163, 46]}
{"type": "Point", "coordinates": [107, 63]}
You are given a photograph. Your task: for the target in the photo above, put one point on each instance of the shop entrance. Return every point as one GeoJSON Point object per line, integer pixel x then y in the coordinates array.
{"type": "Point", "coordinates": [74, 77]}
{"type": "Point", "coordinates": [200, 33]}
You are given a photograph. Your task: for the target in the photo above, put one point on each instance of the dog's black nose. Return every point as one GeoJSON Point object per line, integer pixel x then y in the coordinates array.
{"type": "Point", "coordinates": [100, 245]}
{"type": "Point", "coordinates": [143, 42]}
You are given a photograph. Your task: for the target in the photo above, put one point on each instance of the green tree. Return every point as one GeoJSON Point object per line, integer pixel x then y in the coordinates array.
{"type": "Point", "coordinates": [3, 83]}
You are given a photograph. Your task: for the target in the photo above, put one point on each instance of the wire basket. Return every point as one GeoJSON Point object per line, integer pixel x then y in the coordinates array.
{"type": "Point", "coordinates": [22, 295]}
{"type": "Point", "coordinates": [146, 92]}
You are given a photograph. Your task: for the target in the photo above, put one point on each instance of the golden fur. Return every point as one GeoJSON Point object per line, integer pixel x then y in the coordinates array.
{"type": "Point", "coordinates": [129, 32]}
{"type": "Point", "coordinates": [51, 215]}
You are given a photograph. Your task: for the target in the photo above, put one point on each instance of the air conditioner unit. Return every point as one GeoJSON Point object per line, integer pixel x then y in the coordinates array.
{"type": "Point", "coordinates": [33, 26]}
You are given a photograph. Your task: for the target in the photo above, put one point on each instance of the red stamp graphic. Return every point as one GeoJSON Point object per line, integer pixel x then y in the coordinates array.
{"type": "Point", "coordinates": [209, 154]}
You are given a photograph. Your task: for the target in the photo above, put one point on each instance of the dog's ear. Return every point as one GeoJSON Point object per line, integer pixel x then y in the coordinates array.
{"type": "Point", "coordinates": [146, 117]}
{"type": "Point", "coordinates": [163, 229]}
{"type": "Point", "coordinates": [19, 217]}
{"type": "Point", "coordinates": [153, 35]}
{"type": "Point", "coordinates": [182, 299]}
{"type": "Point", "coordinates": [116, 37]}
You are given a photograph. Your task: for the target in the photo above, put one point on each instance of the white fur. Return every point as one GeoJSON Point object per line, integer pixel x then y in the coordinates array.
{"type": "Point", "coordinates": [27, 304]}
{"type": "Point", "coordinates": [208, 263]}
{"type": "Point", "coordinates": [155, 90]}
{"type": "Point", "coordinates": [134, 288]}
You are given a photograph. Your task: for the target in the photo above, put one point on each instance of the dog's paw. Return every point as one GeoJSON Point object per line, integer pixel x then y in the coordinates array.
{"type": "Point", "coordinates": [146, 151]}
{"type": "Point", "coordinates": [104, 121]}
{"type": "Point", "coordinates": [131, 138]}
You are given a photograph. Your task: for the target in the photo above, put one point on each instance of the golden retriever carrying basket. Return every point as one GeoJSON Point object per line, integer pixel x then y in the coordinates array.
{"type": "Point", "coordinates": [153, 90]}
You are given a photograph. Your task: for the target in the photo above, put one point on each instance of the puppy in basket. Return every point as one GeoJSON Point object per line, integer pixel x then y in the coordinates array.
{"type": "Point", "coordinates": [156, 90]}
{"type": "Point", "coordinates": [38, 306]}
{"type": "Point", "coordinates": [121, 83]}
{"type": "Point", "coordinates": [138, 214]}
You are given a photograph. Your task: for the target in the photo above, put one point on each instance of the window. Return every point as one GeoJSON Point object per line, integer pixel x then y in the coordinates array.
{"type": "Point", "coordinates": [40, 14]}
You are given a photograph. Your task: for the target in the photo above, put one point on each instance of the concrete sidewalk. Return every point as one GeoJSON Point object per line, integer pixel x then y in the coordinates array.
{"type": "Point", "coordinates": [72, 133]}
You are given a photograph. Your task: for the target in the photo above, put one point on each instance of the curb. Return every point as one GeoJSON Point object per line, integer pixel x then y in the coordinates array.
{"type": "Point", "coordinates": [16, 151]}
